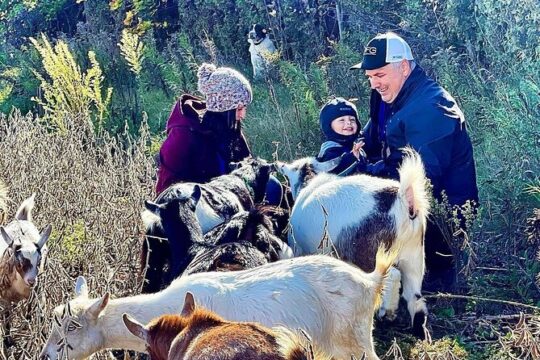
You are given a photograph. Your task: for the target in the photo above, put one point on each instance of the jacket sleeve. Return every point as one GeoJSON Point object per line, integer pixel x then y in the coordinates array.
{"type": "Point", "coordinates": [436, 156]}
{"type": "Point", "coordinates": [372, 146]}
{"type": "Point", "coordinates": [431, 134]}
{"type": "Point", "coordinates": [175, 158]}
{"type": "Point", "coordinates": [347, 163]}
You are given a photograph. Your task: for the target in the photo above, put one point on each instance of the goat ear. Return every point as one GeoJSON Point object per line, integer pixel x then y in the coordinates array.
{"type": "Point", "coordinates": [81, 287]}
{"type": "Point", "coordinates": [280, 167]}
{"type": "Point", "coordinates": [5, 236]}
{"type": "Point", "coordinates": [135, 327]}
{"type": "Point", "coordinates": [152, 206]}
{"type": "Point", "coordinates": [196, 194]}
{"type": "Point", "coordinates": [25, 210]}
{"type": "Point", "coordinates": [189, 305]}
{"type": "Point", "coordinates": [234, 165]}
{"type": "Point", "coordinates": [95, 310]}
{"type": "Point", "coordinates": [44, 236]}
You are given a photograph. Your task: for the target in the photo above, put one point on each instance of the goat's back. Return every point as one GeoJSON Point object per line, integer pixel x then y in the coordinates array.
{"type": "Point", "coordinates": [203, 334]}
{"type": "Point", "coordinates": [317, 293]}
{"type": "Point", "coordinates": [337, 206]}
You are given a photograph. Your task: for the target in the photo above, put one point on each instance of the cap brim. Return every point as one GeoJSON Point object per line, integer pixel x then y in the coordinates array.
{"type": "Point", "coordinates": [367, 66]}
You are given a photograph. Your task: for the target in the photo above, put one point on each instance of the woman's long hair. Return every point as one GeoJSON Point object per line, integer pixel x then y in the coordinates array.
{"type": "Point", "coordinates": [225, 130]}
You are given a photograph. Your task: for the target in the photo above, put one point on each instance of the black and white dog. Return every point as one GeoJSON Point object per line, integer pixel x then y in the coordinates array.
{"type": "Point", "coordinates": [260, 48]}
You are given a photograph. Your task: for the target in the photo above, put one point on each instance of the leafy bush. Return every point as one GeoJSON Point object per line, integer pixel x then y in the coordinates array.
{"type": "Point", "coordinates": [443, 349]}
{"type": "Point", "coordinates": [17, 82]}
{"type": "Point", "coordinates": [70, 92]}
{"type": "Point", "coordinates": [133, 50]}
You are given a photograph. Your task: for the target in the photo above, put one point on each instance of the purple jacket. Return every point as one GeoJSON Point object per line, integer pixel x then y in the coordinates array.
{"type": "Point", "coordinates": [189, 153]}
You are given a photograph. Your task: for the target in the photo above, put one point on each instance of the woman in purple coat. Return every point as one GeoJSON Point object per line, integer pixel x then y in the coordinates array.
{"type": "Point", "coordinates": [204, 136]}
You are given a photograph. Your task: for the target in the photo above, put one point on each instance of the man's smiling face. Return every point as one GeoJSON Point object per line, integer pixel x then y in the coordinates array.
{"type": "Point", "coordinates": [389, 79]}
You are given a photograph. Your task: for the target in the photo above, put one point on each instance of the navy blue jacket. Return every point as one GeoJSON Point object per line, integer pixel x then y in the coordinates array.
{"type": "Point", "coordinates": [426, 117]}
{"type": "Point", "coordinates": [341, 155]}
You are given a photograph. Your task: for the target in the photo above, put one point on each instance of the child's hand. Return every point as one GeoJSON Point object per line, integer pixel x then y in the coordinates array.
{"type": "Point", "coordinates": [356, 149]}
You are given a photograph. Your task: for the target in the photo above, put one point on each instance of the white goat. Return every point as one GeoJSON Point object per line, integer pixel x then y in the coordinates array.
{"type": "Point", "coordinates": [331, 300]}
{"type": "Point", "coordinates": [358, 214]}
{"type": "Point", "coordinates": [22, 248]}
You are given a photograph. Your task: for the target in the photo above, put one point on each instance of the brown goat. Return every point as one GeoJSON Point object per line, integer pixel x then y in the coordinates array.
{"type": "Point", "coordinates": [200, 334]}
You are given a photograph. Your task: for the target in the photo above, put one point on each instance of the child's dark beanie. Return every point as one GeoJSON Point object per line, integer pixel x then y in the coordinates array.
{"type": "Point", "coordinates": [333, 109]}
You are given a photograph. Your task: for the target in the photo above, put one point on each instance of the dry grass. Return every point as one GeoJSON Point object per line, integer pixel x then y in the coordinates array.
{"type": "Point", "coordinates": [91, 189]}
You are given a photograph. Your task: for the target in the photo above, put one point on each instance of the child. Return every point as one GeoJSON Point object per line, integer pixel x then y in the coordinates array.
{"type": "Point", "coordinates": [340, 125]}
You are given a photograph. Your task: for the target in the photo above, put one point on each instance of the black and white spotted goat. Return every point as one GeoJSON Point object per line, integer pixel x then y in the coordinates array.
{"type": "Point", "coordinates": [245, 241]}
{"type": "Point", "coordinates": [219, 200]}
{"type": "Point", "coordinates": [357, 214]}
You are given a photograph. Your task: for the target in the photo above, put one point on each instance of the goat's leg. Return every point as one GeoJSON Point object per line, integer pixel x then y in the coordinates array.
{"type": "Point", "coordinates": [155, 254]}
{"type": "Point", "coordinates": [364, 338]}
{"type": "Point", "coordinates": [412, 273]}
{"type": "Point", "coordinates": [390, 298]}
{"type": "Point", "coordinates": [6, 327]}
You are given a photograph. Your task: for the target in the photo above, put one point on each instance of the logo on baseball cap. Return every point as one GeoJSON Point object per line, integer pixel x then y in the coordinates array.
{"type": "Point", "coordinates": [384, 49]}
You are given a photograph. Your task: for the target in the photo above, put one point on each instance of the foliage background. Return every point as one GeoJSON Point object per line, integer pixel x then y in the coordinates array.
{"type": "Point", "coordinates": [484, 52]}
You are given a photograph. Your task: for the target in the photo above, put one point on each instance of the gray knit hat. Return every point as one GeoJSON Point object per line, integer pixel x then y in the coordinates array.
{"type": "Point", "coordinates": [224, 88]}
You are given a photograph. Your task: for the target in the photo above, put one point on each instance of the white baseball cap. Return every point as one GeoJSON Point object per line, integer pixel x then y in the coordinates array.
{"type": "Point", "coordinates": [384, 49]}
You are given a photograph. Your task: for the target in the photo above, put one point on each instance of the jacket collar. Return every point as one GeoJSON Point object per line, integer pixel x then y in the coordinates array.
{"type": "Point", "coordinates": [414, 80]}
{"type": "Point", "coordinates": [187, 112]}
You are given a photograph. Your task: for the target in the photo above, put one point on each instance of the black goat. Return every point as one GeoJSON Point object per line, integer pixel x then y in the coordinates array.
{"type": "Point", "coordinates": [246, 240]}
{"type": "Point", "coordinates": [220, 199]}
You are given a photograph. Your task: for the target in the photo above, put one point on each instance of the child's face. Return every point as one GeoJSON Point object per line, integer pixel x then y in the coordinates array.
{"type": "Point", "coordinates": [344, 125]}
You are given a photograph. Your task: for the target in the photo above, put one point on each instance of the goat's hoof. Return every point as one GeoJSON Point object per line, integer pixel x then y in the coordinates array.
{"type": "Point", "coordinates": [391, 315]}
{"type": "Point", "coordinates": [420, 325]}
{"type": "Point", "coordinates": [386, 314]}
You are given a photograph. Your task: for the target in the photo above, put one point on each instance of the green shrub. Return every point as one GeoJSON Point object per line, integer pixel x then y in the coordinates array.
{"type": "Point", "coordinates": [443, 349]}
{"type": "Point", "coordinates": [132, 48]}
{"type": "Point", "coordinates": [71, 243]}
{"type": "Point", "coordinates": [70, 92]}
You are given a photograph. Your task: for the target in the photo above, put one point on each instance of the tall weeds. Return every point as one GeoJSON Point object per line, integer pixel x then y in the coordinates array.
{"type": "Point", "coordinates": [67, 90]}
{"type": "Point", "coordinates": [91, 189]}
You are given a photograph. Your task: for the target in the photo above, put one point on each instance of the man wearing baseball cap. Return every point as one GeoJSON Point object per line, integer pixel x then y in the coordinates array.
{"type": "Point", "coordinates": [407, 108]}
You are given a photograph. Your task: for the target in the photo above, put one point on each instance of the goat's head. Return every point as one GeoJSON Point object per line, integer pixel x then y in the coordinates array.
{"type": "Point", "coordinates": [75, 333]}
{"type": "Point", "coordinates": [301, 171]}
{"type": "Point", "coordinates": [26, 245]}
{"type": "Point", "coordinates": [255, 173]}
{"type": "Point", "coordinates": [159, 333]}
{"type": "Point", "coordinates": [275, 219]}
{"type": "Point", "coordinates": [177, 216]}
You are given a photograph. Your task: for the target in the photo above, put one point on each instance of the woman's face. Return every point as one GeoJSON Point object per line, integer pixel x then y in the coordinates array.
{"type": "Point", "coordinates": [241, 112]}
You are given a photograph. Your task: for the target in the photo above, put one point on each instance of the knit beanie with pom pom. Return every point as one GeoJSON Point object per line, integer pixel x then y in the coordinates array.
{"type": "Point", "coordinates": [224, 88]}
